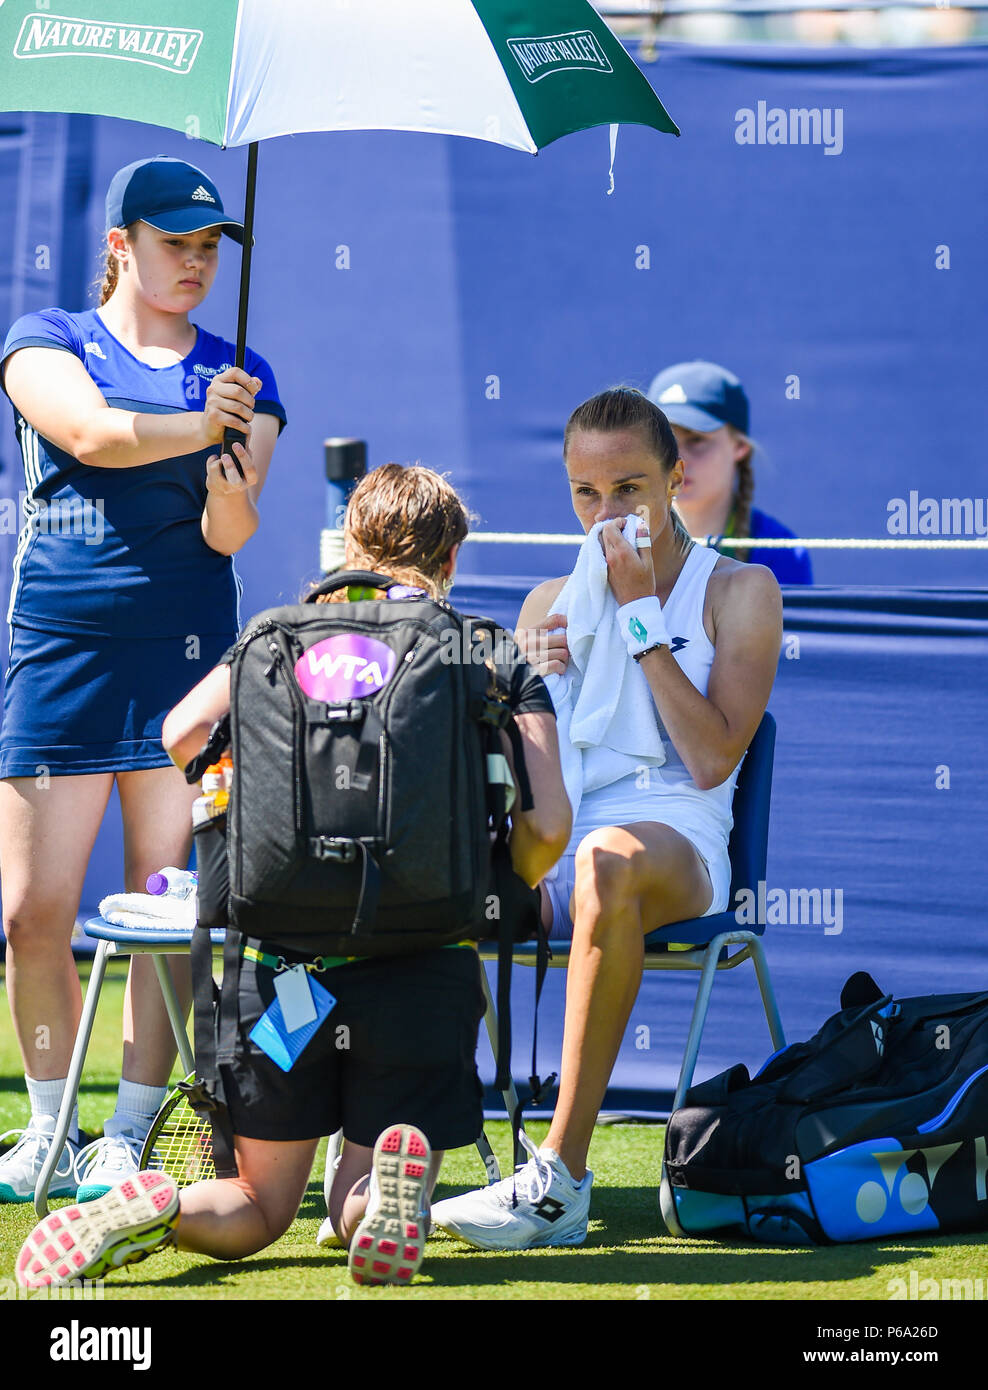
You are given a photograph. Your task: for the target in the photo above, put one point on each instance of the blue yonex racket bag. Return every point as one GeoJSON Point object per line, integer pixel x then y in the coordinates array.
{"type": "Point", "coordinates": [874, 1127]}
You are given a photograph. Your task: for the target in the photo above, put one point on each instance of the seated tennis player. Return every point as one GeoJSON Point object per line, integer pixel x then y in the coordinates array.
{"type": "Point", "coordinates": [660, 656]}
{"type": "Point", "coordinates": [407, 1087]}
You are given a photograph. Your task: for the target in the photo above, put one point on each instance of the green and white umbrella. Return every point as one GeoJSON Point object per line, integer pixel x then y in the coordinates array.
{"type": "Point", "coordinates": [519, 73]}
{"type": "Point", "coordinates": [516, 72]}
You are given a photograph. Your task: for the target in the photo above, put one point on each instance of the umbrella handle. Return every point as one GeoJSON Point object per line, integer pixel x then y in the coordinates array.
{"type": "Point", "coordinates": [230, 436]}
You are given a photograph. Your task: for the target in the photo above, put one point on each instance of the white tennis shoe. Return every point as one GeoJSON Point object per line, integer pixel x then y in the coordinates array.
{"type": "Point", "coordinates": [135, 1218]}
{"type": "Point", "coordinates": [21, 1166]}
{"type": "Point", "coordinates": [540, 1204]}
{"type": "Point", "coordinates": [105, 1162]}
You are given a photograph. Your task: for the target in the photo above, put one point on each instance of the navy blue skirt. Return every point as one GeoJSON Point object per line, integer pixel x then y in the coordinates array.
{"type": "Point", "coordinates": [76, 704]}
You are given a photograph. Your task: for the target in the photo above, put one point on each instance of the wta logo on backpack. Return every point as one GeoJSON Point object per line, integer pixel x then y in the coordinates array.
{"type": "Point", "coordinates": [345, 666]}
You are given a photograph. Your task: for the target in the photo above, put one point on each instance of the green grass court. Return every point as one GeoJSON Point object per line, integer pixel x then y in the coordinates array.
{"type": "Point", "coordinates": [628, 1256]}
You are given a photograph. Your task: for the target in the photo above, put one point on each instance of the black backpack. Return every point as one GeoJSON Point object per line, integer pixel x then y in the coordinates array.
{"type": "Point", "coordinates": [368, 814]}
{"type": "Point", "coordinates": [874, 1127]}
{"type": "Point", "coordinates": [364, 818]}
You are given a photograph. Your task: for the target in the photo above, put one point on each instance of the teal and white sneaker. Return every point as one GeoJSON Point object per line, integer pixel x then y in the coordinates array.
{"type": "Point", "coordinates": [105, 1162]}
{"type": "Point", "coordinates": [21, 1166]}
{"type": "Point", "coordinates": [538, 1205]}
{"type": "Point", "coordinates": [135, 1218]}
{"type": "Point", "coordinates": [388, 1245]}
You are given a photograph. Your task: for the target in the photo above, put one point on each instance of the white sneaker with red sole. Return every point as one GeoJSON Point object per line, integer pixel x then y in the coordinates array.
{"type": "Point", "coordinates": [388, 1245]}
{"type": "Point", "coordinates": [135, 1218]}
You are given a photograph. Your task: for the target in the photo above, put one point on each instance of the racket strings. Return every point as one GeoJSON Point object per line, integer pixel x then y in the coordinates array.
{"type": "Point", "coordinates": [183, 1147]}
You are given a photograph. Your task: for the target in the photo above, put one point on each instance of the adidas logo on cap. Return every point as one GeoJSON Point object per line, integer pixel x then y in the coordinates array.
{"type": "Point", "coordinates": [673, 395]}
{"type": "Point", "coordinates": [202, 195]}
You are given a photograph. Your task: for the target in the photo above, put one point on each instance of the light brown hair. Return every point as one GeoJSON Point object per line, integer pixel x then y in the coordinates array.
{"type": "Point", "coordinates": [109, 273]}
{"type": "Point", "coordinates": [744, 492]}
{"type": "Point", "coordinates": [403, 522]}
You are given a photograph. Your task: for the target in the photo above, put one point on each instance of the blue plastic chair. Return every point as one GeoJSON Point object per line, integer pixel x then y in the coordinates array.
{"type": "Point", "coordinates": [712, 938]}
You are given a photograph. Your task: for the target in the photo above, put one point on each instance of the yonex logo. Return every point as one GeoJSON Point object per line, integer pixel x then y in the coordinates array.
{"type": "Point", "coordinates": [95, 349]}
{"type": "Point", "coordinates": [913, 1191]}
{"type": "Point", "coordinates": [676, 644]}
{"type": "Point", "coordinates": [549, 1209]}
{"type": "Point", "coordinates": [538, 57]}
{"type": "Point", "coordinates": [203, 195]}
{"type": "Point", "coordinates": [61, 36]}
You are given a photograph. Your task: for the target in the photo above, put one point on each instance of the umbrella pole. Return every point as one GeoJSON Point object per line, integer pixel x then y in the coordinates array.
{"type": "Point", "coordinates": [230, 434]}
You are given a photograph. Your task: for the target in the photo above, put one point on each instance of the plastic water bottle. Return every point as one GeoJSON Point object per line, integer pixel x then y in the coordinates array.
{"type": "Point", "coordinates": [173, 883]}
{"type": "Point", "coordinates": [215, 796]}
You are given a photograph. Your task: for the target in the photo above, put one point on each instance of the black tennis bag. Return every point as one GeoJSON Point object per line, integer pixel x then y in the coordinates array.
{"type": "Point", "coordinates": [874, 1127]}
{"type": "Point", "coordinates": [368, 813]}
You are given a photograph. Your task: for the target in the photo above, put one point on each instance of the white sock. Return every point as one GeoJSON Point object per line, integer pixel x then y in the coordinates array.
{"type": "Point", "coordinates": [136, 1108]}
{"type": "Point", "coordinates": [46, 1100]}
{"type": "Point", "coordinates": [560, 1166]}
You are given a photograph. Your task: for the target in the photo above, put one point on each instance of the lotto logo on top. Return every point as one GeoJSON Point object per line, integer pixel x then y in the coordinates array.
{"type": "Point", "coordinates": [538, 57]}
{"type": "Point", "coordinates": [345, 666]}
{"type": "Point", "coordinates": [60, 36]}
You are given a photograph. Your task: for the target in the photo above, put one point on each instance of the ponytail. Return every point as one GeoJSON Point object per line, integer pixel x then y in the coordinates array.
{"type": "Point", "coordinates": [744, 494]}
{"type": "Point", "coordinates": [109, 275]}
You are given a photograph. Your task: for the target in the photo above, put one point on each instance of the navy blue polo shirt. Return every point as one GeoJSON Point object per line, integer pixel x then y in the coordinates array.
{"type": "Point", "coordinates": [789, 566]}
{"type": "Point", "coordinates": [119, 552]}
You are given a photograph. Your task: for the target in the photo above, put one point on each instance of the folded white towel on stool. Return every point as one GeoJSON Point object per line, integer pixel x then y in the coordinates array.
{"type": "Point", "coordinates": [606, 717]}
{"type": "Point", "coordinates": [149, 910]}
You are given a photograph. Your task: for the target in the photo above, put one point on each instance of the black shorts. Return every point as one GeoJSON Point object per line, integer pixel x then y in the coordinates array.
{"type": "Point", "coordinates": [397, 1048]}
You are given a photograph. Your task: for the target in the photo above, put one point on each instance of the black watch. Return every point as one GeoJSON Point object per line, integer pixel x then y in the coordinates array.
{"type": "Point", "coordinates": [656, 647]}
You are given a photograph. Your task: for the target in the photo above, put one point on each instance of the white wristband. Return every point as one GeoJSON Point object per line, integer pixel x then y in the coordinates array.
{"type": "Point", "coordinates": [642, 625]}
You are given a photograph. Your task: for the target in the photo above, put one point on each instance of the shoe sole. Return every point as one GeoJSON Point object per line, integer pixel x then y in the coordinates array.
{"type": "Point", "coordinates": [387, 1248]}
{"type": "Point", "coordinates": [8, 1195]}
{"type": "Point", "coordinates": [537, 1243]}
{"type": "Point", "coordinates": [83, 1242]}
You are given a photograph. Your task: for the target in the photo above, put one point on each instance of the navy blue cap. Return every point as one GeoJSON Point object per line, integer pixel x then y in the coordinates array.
{"type": "Point", "coordinates": [700, 396]}
{"type": "Point", "coordinates": [170, 195]}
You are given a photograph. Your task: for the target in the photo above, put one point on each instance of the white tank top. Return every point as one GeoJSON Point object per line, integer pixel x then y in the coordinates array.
{"type": "Point", "coordinates": [671, 789]}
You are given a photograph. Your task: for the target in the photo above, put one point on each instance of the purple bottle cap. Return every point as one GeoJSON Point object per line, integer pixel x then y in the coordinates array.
{"type": "Point", "coordinates": [157, 884]}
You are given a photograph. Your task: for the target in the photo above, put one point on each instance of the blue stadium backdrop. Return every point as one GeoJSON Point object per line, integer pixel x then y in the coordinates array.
{"type": "Point", "coordinates": [451, 301]}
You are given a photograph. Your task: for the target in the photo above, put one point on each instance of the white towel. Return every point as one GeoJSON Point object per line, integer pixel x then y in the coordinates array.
{"type": "Point", "coordinates": [606, 717]}
{"type": "Point", "coordinates": [149, 910]}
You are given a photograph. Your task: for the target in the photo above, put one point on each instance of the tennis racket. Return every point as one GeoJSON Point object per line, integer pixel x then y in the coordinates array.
{"type": "Point", "coordinates": [179, 1143]}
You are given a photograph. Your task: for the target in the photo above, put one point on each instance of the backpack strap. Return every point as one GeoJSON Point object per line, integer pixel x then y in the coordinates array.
{"type": "Point", "coordinates": [205, 1095]}
{"type": "Point", "coordinates": [217, 742]}
{"type": "Point", "coordinates": [490, 706]}
{"type": "Point", "coordinates": [345, 851]}
{"type": "Point", "coordinates": [342, 579]}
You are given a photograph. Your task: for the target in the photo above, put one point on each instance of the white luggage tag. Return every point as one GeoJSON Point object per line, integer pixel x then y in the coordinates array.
{"type": "Point", "coordinates": [292, 988]}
